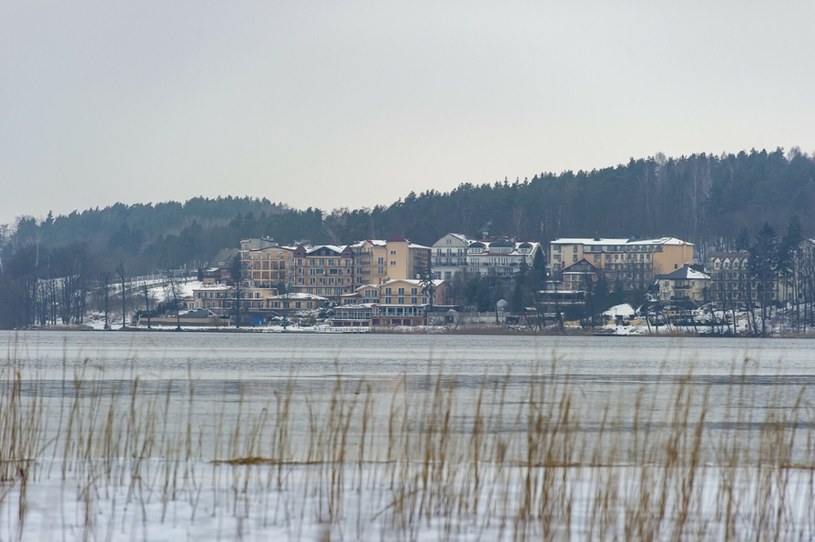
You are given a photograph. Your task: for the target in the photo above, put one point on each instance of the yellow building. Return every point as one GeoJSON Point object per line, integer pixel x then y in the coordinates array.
{"type": "Point", "coordinates": [632, 262]}
{"type": "Point", "coordinates": [370, 265]}
{"type": "Point", "coordinates": [406, 260]}
{"type": "Point", "coordinates": [377, 261]}
{"type": "Point", "coordinates": [324, 270]}
{"type": "Point", "coordinates": [265, 264]}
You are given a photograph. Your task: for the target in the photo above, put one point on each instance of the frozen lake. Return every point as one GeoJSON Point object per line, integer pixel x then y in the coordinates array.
{"type": "Point", "coordinates": [411, 436]}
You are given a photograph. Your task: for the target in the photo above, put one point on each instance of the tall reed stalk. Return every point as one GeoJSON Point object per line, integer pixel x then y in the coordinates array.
{"type": "Point", "coordinates": [521, 457]}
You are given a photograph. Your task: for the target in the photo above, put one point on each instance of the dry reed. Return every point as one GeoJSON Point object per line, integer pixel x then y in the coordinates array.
{"type": "Point", "coordinates": [417, 457]}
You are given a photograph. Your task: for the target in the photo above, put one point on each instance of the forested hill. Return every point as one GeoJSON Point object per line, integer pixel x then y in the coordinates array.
{"type": "Point", "coordinates": [701, 198]}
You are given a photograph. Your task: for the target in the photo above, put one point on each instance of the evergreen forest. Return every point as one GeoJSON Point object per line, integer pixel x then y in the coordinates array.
{"type": "Point", "coordinates": [703, 198]}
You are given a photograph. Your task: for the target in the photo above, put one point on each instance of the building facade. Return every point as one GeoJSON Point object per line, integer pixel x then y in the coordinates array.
{"type": "Point", "coordinates": [503, 257]}
{"type": "Point", "coordinates": [449, 255]}
{"type": "Point", "coordinates": [265, 264]}
{"type": "Point", "coordinates": [731, 285]}
{"type": "Point", "coordinates": [399, 302]}
{"type": "Point", "coordinates": [376, 261]}
{"type": "Point", "coordinates": [634, 263]}
{"type": "Point", "coordinates": [324, 270]}
{"type": "Point", "coordinates": [685, 286]}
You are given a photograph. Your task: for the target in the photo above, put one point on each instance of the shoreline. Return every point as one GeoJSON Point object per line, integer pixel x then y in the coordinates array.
{"type": "Point", "coordinates": [461, 330]}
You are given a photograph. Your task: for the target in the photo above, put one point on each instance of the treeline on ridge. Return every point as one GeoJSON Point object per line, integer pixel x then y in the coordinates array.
{"type": "Point", "coordinates": [702, 198]}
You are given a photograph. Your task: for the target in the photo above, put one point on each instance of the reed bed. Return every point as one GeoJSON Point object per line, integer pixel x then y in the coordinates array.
{"type": "Point", "coordinates": [95, 456]}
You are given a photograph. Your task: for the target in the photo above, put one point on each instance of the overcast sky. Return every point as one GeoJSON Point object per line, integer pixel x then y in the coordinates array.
{"type": "Point", "coordinates": [346, 103]}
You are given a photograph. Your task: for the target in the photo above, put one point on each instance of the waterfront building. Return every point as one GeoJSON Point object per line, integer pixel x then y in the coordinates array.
{"type": "Point", "coordinates": [265, 264]}
{"type": "Point", "coordinates": [503, 257]}
{"type": "Point", "coordinates": [685, 286]}
{"type": "Point", "coordinates": [634, 263]}
{"type": "Point", "coordinates": [323, 270]}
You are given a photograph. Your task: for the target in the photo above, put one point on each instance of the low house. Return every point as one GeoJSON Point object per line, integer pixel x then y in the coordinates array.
{"type": "Point", "coordinates": [216, 275]}
{"type": "Point", "coordinates": [405, 302]}
{"type": "Point", "coordinates": [353, 315]}
{"type": "Point", "coordinates": [218, 298]}
{"type": "Point", "coordinates": [277, 304]}
{"type": "Point", "coordinates": [686, 285]}
{"type": "Point", "coordinates": [619, 314]}
{"type": "Point", "coordinates": [401, 302]}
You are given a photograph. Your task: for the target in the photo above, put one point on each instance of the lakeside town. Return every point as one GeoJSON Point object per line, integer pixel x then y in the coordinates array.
{"type": "Point", "coordinates": [661, 285]}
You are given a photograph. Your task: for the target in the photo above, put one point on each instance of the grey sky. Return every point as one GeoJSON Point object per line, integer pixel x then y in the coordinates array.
{"type": "Point", "coordinates": [350, 104]}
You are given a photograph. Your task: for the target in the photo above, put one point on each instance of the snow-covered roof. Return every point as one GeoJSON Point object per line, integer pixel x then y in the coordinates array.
{"type": "Point", "coordinates": [184, 289]}
{"type": "Point", "coordinates": [460, 236]}
{"type": "Point", "coordinates": [415, 282]}
{"type": "Point", "coordinates": [528, 246]}
{"type": "Point", "coordinates": [597, 241]}
{"type": "Point", "coordinates": [335, 248]}
{"type": "Point", "coordinates": [300, 296]}
{"type": "Point", "coordinates": [372, 242]}
{"type": "Point", "coordinates": [365, 287]}
{"type": "Point", "coordinates": [624, 310]}
{"type": "Point", "coordinates": [684, 273]}
{"type": "Point", "coordinates": [211, 287]}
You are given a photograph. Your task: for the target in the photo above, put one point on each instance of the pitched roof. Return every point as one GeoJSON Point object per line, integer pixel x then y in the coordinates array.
{"type": "Point", "coordinates": [582, 263]}
{"type": "Point", "coordinates": [685, 272]}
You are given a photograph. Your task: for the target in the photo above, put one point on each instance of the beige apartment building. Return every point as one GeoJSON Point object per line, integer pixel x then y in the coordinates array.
{"type": "Point", "coordinates": [323, 270]}
{"type": "Point", "coordinates": [376, 261]}
{"type": "Point", "coordinates": [398, 302]}
{"type": "Point", "coordinates": [370, 265]}
{"type": "Point", "coordinates": [406, 260]}
{"type": "Point", "coordinates": [633, 262]}
{"type": "Point", "coordinates": [265, 264]}
{"type": "Point", "coordinates": [327, 270]}
{"type": "Point", "coordinates": [685, 285]}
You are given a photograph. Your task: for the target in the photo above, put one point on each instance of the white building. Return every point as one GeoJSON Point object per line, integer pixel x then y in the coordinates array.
{"type": "Point", "coordinates": [455, 253]}
{"type": "Point", "coordinates": [449, 255]}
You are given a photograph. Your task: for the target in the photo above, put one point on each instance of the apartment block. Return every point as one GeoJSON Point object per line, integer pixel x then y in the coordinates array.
{"type": "Point", "coordinates": [455, 253]}
{"type": "Point", "coordinates": [265, 264]}
{"type": "Point", "coordinates": [632, 262]}
{"type": "Point", "coordinates": [323, 270]}
{"type": "Point", "coordinates": [377, 261]}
